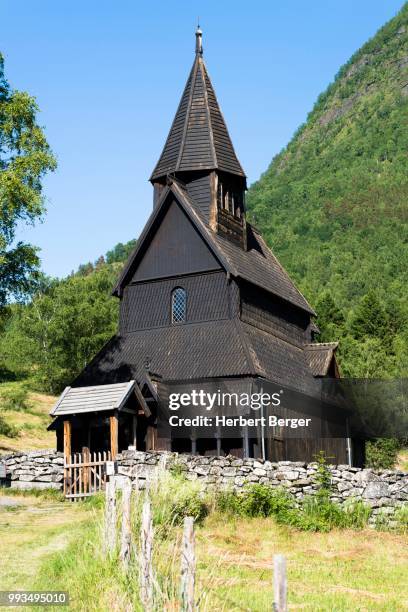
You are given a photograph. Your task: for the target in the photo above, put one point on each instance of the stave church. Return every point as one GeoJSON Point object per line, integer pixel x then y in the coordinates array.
{"type": "Point", "coordinates": [203, 300]}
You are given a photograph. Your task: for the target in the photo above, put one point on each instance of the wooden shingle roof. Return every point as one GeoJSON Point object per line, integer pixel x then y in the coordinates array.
{"type": "Point", "coordinates": [93, 399]}
{"type": "Point", "coordinates": [225, 348]}
{"type": "Point", "coordinates": [319, 356]}
{"type": "Point", "coordinates": [198, 138]}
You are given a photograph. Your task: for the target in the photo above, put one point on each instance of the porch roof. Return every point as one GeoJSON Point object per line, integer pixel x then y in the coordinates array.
{"type": "Point", "coordinates": [77, 400]}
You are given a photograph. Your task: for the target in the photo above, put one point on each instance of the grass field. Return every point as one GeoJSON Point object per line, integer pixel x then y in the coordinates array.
{"type": "Point", "coordinates": [31, 530]}
{"type": "Point", "coordinates": [340, 570]}
{"type": "Point", "coordinates": [31, 422]}
{"type": "Point", "coordinates": [49, 544]}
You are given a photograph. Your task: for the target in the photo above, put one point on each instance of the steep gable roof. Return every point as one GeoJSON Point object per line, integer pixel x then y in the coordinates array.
{"type": "Point", "coordinates": [257, 265]}
{"type": "Point", "coordinates": [198, 138]}
{"type": "Point", "coordinates": [319, 356]}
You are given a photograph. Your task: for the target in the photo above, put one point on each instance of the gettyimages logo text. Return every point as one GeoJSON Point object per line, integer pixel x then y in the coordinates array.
{"type": "Point", "coordinates": [206, 400]}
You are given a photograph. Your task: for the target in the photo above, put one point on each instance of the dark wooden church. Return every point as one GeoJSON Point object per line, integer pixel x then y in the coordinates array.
{"type": "Point", "coordinates": [202, 298]}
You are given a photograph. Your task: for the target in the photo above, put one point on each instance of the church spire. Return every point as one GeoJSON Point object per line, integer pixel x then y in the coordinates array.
{"type": "Point", "coordinates": [198, 138]}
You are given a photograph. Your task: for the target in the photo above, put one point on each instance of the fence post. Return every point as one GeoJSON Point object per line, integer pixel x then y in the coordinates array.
{"type": "Point", "coordinates": [146, 551]}
{"type": "Point", "coordinates": [110, 517]}
{"type": "Point", "coordinates": [279, 583]}
{"type": "Point", "coordinates": [188, 566]}
{"type": "Point", "coordinates": [125, 536]}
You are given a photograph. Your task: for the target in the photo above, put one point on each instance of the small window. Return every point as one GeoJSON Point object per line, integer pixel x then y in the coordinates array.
{"type": "Point", "coordinates": [178, 305]}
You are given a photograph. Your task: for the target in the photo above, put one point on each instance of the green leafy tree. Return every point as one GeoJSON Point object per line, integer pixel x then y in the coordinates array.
{"type": "Point", "coordinates": [120, 252]}
{"type": "Point", "coordinates": [59, 332]}
{"type": "Point", "coordinates": [382, 453]}
{"type": "Point", "coordinates": [25, 157]}
{"type": "Point", "coordinates": [366, 359]}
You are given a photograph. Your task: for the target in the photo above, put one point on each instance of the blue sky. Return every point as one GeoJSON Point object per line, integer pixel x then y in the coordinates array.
{"type": "Point", "coordinates": [108, 77]}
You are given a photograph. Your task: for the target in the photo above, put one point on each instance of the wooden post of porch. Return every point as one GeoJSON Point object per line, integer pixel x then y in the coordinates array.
{"type": "Point", "coordinates": [67, 455]}
{"type": "Point", "coordinates": [134, 431]}
{"type": "Point", "coordinates": [114, 434]}
{"type": "Point", "coordinates": [67, 440]}
{"type": "Point", "coordinates": [151, 438]}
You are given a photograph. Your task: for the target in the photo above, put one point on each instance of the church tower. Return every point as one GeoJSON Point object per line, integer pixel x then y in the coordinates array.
{"type": "Point", "coordinates": [199, 153]}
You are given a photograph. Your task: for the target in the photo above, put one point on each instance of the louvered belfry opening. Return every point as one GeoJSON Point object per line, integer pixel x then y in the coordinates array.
{"type": "Point", "coordinates": [199, 153]}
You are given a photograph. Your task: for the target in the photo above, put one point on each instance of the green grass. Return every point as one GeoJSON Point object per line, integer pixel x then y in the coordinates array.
{"type": "Point", "coordinates": [32, 532]}
{"type": "Point", "coordinates": [340, 570]}
{"type": "Point", "coordinates": [48, 494]}
{"type": "Point", "coordinates": [26, 417]}
{"type": "Point", "coordinates": [48, 544]}
{"type": "Point", "coordinates": [336, 570]}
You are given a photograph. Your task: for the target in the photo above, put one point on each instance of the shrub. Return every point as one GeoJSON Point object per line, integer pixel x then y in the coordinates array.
{"type": "Point", "coordinates": [323, 475]}
{"type": "Point", "coordinates": [263, 500]}
{"type": "Point", "coordinates": [174, 498]}
{"type": "Point", "coordinates": [319, 513]}
{"type": "Point", "coordinates": [177, 469]}
{"type": "Point", "coordinates": [254, 500]}
{"type": "Point", "coordinates": [382, 454]}
{"type": "Point", "coordinates": [14, 398]}
{"type": "Point", "coordinates": [7, 430]}
{"type": "Point", "coordinates": [228, 501]}
{"type": "Point", "coordinates": [313, 513]}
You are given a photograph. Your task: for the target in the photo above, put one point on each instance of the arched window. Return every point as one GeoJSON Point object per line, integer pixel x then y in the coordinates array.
{"type": "Point", "coordinates": [178, 305]}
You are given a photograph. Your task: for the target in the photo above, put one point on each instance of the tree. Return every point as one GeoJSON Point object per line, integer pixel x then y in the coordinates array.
{"type": "Point", "coordinates": [120, 252]}
{"type": "Point", "coordinates": [25, 157]}
{"type": "Point", "coordinates": [366, 358]}
{"type": "Point", "coordinates": [54, 336]}
{"type": "Point", "coordinates": [330, 318]}
{"type": "Point", "coordinates": [369, 319]}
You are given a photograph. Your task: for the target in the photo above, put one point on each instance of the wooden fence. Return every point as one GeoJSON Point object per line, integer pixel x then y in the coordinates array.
{"type": "Point", "coordinates": [147, 581]}
{"type": "Point", "coordinates": [85, 474]}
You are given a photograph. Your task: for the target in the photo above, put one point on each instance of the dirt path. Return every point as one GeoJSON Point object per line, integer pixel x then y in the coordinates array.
{"type": "Point", "coordinates": [30, 530]}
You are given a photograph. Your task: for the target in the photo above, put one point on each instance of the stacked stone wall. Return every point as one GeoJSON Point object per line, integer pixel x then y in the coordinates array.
{"type": "Point", "coordinates": [41, 469]}
{"type": "Point", "coordinates": [383, 490]}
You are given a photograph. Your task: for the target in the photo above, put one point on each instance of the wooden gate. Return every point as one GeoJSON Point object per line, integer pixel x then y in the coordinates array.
{"type": "Point", "coordinates": [84, 474]}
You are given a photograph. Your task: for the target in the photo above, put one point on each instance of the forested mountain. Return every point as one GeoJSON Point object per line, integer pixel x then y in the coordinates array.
{"type": "Point", "coordinates": [333, 205]}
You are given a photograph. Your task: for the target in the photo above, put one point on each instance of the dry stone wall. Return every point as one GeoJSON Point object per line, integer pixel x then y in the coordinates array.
{"type": "Point", "coordinates": [379, 489]}
{"type": "Point", "coordinates": [41, 469]}
{"type": "Point", "coordinates": [383, 490]}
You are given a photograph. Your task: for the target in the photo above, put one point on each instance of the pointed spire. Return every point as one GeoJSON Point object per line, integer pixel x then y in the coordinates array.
{"type": "Point", "coordinates": [198, 138]}
{"type": "Point", "coordinates": [199, 40]}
